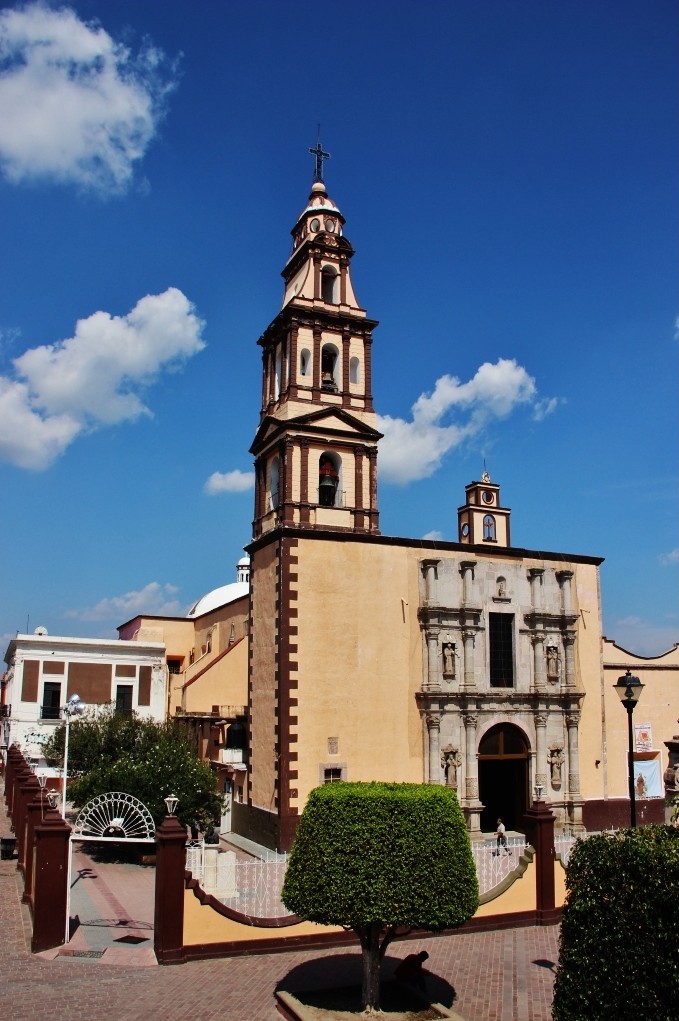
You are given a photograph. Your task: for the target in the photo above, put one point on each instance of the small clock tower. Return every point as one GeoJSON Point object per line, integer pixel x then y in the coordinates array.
{"type": "Point", "coordinates": [316, 446]}
{"type": "Point", "coordinates": [482, 521]}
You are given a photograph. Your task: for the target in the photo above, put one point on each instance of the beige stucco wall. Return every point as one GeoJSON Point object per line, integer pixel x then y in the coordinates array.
{"type": "Point", "coordinates": [657, 706]}
{"type": "Point", "coordinates": [263, 694]}
{"type": "Point", "coordinates": [222, 682]}
{"type": "Point", "coordinates": [202, 924]}
{"type": "Point", "coordinates": [359, 663]}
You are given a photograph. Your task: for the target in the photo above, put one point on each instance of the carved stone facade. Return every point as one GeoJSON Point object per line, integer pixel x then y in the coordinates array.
{"type": "Point", "coordinates": [514, 624]}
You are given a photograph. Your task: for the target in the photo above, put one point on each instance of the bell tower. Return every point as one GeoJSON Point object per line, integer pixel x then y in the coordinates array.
{"type": "Point", "coordinates": [316, 446]}
{"type": "Point", "coordinates": [481, 519]}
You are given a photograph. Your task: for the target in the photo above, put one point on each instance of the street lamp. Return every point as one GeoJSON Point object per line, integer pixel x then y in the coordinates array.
{"type": "Point", "coordinates": [629, 689]}
{"type": "Point", "coordinates": [74, 707]}
{"type": "Point", "coordinates": [171, 802]}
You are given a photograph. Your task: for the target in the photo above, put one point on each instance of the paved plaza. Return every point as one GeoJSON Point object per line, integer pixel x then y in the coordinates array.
{"type": "Point", "coordinates": [496, 976]}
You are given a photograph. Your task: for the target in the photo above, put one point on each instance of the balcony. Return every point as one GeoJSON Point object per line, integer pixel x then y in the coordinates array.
{"type": "Point", "coordinates": [232, 756]}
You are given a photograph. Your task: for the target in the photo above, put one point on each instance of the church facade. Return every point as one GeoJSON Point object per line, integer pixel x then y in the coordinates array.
{"type": "Point", "coordinates": [473, 663]}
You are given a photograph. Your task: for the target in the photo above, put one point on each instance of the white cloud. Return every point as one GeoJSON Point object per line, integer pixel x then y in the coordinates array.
{"type": "Point", "coordinates": [545, 407]}
{"type": "Point", "coordinates": [434, 536]}
{"type": "Point", "coordinates": [415, 449]}
{"type": "Point", "coordinates": [94, 378]}
{"type": "Point", "coordinates": [230, 482]}
{"type": "Point", "coordinates": [75, 106]}
{"type": "Point", "coordinates": [667, 559]}
{"type": "Point", "coordinates": [153, 599]}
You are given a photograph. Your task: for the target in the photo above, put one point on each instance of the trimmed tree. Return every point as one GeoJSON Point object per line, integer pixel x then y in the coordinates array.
{"type": "Point", "coordinates": [112, 751]}
{"type": "Point", "coordinates": [381, 859]}
{"type": "Point", "coordinates": [620, 929]}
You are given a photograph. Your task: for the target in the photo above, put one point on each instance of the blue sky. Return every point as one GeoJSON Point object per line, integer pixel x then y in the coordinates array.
{"type": "Point", "coordinates": [508, 175]}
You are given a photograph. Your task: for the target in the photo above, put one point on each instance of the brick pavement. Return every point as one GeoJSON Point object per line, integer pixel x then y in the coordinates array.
{"type": "Point", "coordinates": [498, 976]}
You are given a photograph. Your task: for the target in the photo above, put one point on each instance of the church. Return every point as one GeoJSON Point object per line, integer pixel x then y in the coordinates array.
{"type": "Point", "coordinates": [341, 653]}
{"type": "Point", "coordinates": [473, 663]}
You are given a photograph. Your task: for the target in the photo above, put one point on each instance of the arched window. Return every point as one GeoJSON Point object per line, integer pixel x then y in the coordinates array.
{"type": "Point", "coordinates": [489, 528]}
{"type": "Point", "coordinates": [329, 494]}
{"type": "Point", "coordinates": [329, 367]}
{"type": "Point", "coordinates": [278, 370]}
{"type": "Point", "coordinates": [304, 362]}
{"type": "Point", "coordinates": [329, 284]}
{"type": "Point", "coordinates": [354, 370]}
{"type": "Point", "coordinates": [274, 473]}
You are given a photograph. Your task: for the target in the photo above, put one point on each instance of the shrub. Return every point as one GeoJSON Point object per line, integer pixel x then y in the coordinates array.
{"type": "Point", "coordinates": [620, 932]}
{"type": "Point", "coordinates": [377, 858]}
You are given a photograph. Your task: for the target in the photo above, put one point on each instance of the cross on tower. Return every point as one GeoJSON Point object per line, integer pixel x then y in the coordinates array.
{"type": "Point", "coordinates": [320, 155]}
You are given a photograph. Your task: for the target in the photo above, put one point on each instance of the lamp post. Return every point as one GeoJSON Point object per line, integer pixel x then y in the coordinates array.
{"type": "Point", "coordinates": [629, 689]}
{"type": "Point", "coordinates": [74, 707]}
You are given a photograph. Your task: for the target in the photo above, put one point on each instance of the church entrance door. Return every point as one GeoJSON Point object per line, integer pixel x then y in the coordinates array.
{"type": "Point", "coordinates": [503, 777]}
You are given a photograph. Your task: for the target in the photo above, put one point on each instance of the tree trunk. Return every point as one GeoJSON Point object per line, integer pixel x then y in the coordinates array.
{"type": "Point", "coordinates": [372, 959]}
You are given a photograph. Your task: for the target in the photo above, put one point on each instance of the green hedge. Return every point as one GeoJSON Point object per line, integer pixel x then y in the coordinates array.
{"type": "Point", "coordinates": [619, 947]}
{"type": "Point", "coordinates": [395, 854]}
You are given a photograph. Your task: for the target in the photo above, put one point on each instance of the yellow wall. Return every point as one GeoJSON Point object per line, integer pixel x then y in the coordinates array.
{"type": "Point", "coordinates": [658, 705]}
{"type": "Point", "coordinates": [223, 681]}
{"type": "Point", "coordinates": [360, 663]}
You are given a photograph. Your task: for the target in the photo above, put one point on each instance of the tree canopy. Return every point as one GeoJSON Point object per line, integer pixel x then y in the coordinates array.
{"type": "Point", "coordinates": [378, 858]}
{"type": "Point", "coordinates": [113, 751]}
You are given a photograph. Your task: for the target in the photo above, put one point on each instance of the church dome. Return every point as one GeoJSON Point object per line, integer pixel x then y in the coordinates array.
{"type": "Point", "coordinates": [219, 597]}
{"type": "Point", "coordinates": [225, 593]}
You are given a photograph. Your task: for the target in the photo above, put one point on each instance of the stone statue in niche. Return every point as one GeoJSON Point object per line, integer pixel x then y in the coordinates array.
{"type": "Point", "coordinates": [552, 663]}
{"type": "Point", "coordinates": [556, 758]}
{"type": "Point", "coordinates": [450, 760]}
{"type": "Point", "coordinates": [449, 659]}
{"type": "Point", "coordinates": [501, 588]}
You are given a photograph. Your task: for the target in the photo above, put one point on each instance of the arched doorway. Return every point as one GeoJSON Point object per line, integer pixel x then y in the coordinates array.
{"type": "Point", "coordinates": [503, 777]}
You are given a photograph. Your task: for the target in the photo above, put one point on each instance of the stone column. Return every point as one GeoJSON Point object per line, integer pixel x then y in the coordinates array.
{"type": "Point", "coordinates": [467, 572]}
{"type": "Point", "coordinates": [535, 575]}
{"type": "Point", "coordinates": [168, 922]}
{"type": "Point", "coordinates": [50, 883]}
{"type": "Point", "coordinates": [468, 638]}
{"type": "Point", "coordinates": [434, 728]}
{"type": "Point", "coordinates": [541, 772]}
{"type": "Point", "coordinates": [471, 763]}
{"type": "Point", "coordinates": [564, 579]}
{"type": "Point", "coordinates": [569, 652]}
{"type": "Point", "coordinates": [430, 573]}
{"type": "Point", "coordinates": [539, 668]}
{"type": "Point", "coordinates": [433, 661]}
{"type": "Point", "coordinates": [572, 723]}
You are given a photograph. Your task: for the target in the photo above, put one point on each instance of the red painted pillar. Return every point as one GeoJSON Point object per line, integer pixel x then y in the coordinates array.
{"type": "Point", "coordinates": [50, 881]}
{"type": "Point", "coordinates": [19, 768]}
{"type": "Point", "coordinates": [169, 907]}
{"type": "Point", "coordinates": [539, 820]}
{"type": "Point", "coordinates": [35, 814]}
{"type": "Point", "coordinates": [13, 758]}
{"type": "Point", "coordinates": [27, 790]}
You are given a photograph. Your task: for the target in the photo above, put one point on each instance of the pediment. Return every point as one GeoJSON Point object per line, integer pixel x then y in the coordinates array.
{"type": "Point", "coordinates": [323, 421]}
